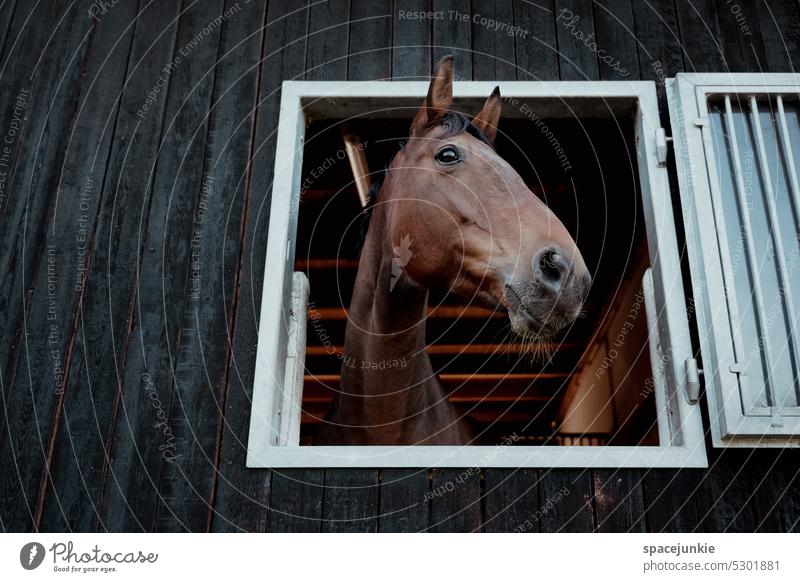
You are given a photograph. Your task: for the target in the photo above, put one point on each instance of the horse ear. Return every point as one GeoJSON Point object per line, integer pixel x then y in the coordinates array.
{"type": "Point", "coordinates": [489, 116]}
{"type": "Point", "coordinates": [440, 96]}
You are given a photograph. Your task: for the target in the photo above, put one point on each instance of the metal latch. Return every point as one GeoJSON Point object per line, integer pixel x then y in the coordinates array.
{"type": "Point", "coordinates": [692, 380]}
{"type": "Point", "coordinates": [662, 142]}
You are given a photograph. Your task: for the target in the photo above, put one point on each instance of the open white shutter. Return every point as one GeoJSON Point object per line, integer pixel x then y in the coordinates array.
{"type": "Point", "coordinates": [737, 147]}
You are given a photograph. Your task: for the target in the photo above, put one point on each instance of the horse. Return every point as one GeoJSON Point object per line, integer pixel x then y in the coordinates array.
{"type": "Point", "coordinates": [450, 214]}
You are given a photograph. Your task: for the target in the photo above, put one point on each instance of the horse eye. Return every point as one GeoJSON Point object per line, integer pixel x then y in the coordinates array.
{"type": "Point", "coordinates": [448, 156]}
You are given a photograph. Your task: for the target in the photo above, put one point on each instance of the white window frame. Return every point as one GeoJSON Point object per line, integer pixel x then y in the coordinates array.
{"type": "Point", "coordinates": [273, 439]}
{"type": "Point", "coordinates": [708, 260]}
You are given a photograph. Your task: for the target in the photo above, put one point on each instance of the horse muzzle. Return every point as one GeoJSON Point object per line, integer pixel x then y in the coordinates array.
{"type": "Point", "coordinates": [552, 299]}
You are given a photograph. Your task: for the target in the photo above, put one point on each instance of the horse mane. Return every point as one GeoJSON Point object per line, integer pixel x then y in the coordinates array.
{"type": "Point", "coordinates": [455, 123]}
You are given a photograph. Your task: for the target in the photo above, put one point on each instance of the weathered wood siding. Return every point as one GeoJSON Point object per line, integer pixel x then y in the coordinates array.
{"type": "Point", "coordinates": [88, 372]}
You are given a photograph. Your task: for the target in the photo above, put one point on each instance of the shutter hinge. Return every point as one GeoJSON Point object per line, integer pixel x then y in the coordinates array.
{"type": "Point", "coordinates": [692, 380]}
{"type": "Point", "coordinates": [701, 122]}
{"type": "Point", "coordinates": [662, 145]}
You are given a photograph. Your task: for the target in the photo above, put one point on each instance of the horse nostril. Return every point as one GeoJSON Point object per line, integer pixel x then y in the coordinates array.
{"type": "Point", "coordinates": [551, 269]}
{"type": "Point", "coordinates": [549, 265]}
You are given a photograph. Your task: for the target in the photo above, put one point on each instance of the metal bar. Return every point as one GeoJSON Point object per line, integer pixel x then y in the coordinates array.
{"type": "Point", "coordinates": [793, 179]}
{"type": "Point", "coordinates": [787, 153]}
{"type": "Point", "coordinates": [725, 259]}
{"type": "Point", "coordinates": [741, 193]}
{"type": "Point", "coordinates": [775, 232]}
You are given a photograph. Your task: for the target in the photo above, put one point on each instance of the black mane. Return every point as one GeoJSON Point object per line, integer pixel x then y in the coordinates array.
{"type": "Point", "coordinates": [455, 123]}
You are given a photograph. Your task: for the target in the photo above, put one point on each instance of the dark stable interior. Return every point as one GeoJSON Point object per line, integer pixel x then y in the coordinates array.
{"type": "Point", "coordinates": [596, 388]}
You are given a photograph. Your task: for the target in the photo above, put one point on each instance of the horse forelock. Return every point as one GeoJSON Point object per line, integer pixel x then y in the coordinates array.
{"type": "Point", "coordinates": [455, 123]}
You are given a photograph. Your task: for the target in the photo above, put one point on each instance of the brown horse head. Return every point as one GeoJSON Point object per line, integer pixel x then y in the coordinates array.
{"type": "Point", "coordinates": [472, 226]}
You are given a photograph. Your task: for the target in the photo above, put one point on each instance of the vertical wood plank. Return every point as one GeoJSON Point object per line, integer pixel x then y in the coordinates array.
{"type": "Point", "coordinates": [775, 497]}
{"type": "Point", "coordinates": [452, 35]}
{"type": "Point", "coordinates": [455, 500]}
{"type": "Point", "coordinates": [700, 35]}
{"type": "Point", "coordinates": [328, 40]}
{"type": "Point", "coordinates": [39, 274]}
{"type": "Point", "coordinates": [242, 494]}
{"type": "Point", "coordinates": [670, 500]}
{"type": "Point", "coordinates": [404, 501]}
{"type": "Point", "coordinates": [296, 499]}
{"type": "Point", "coordinates": [91, 385]}
{"type": "Point", "coordinates": [493, 35]}
{"type": "Point", "coordinates": [768, 487]}
{"type": "Point", "coordinates": [28, 27]}
{"type": "Point", "coordinates": [411, 43]}
{"type": "Point", "coordinates": [619, 504]}
{"type": "Point", "coordinates": [779, 24]}
{"type": "Point", "coordinates": [511, 501]}
{"type": "Point", "coordinates": [112, 273]}
{"type": "Point", "coordinates": [351, 501]}
{"type": "Point", "coordinates": [145, 435]}
{"type": "Point", "coordinates": [22, 94]}
{"type": "Point", "coordinates": [566, 494]}
{"type": "Point", "coordinates": [576, 37]}
{"type": "Point", "coordinates": [616, 37]}
{"type": "Point", "coordinates": [202, 355]}
{"type": "Point", "coordinates": [741, 36]}
{"type": "Point", "coordinates": [536, 51]}
{"type": "Point", "coordinates": [7, 8]}
{"type": "Point", "coordinates": [370, 41]}
{"type": "Point", "coordinates": [727, 504]}
{"type": "Point", "coordinates": [788, 502]}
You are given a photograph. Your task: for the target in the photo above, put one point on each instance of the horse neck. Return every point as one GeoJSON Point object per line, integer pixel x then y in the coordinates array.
{"type": "Point", "coordinates": [385, 339]}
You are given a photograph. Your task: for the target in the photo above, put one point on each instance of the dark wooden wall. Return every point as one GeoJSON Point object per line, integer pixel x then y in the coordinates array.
{"type": "Point", "coordinates": [88, 371]}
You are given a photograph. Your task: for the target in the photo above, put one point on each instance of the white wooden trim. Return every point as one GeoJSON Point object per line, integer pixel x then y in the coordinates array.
{"type": "Point", "coordinates": [482, 89]}
{"type": "Point", "coordinates": [715, 308]}
{"type": "Point", "coordinates": [480, 456]}
{"type": "Point", "coordinates": [684, 448]}
{"type": "Point", "coordinates": [295, 363]}
{"type": "Point", "coordinates": [272, 332]}
{"type": "Point", "coordinates": [657, 360]}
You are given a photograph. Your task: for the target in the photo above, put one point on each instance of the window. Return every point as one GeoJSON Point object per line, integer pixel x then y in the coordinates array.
{"type": "Point", "coordinates": [589, 403]}
{"type": "Point", "coordinates": [737, 147]}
